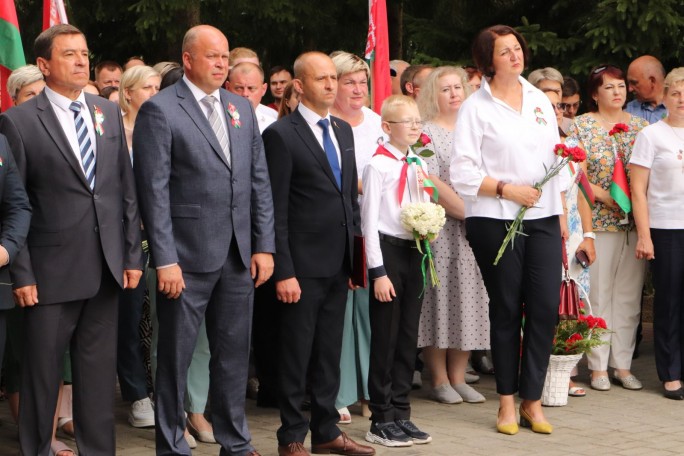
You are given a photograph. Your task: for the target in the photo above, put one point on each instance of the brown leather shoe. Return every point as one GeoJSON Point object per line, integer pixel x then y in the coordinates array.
{"type": "Point", "coordinates": [343, 445]}
{"type": "Point", "coordinates": [292, 449]}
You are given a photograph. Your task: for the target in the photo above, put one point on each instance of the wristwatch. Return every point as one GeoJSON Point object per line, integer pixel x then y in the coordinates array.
{"type": "Point", "coordinates": [590, 234]}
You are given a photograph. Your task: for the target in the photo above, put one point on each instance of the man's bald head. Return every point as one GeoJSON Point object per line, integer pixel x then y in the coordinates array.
{"type": "Point", "coordinates": [645, 77]}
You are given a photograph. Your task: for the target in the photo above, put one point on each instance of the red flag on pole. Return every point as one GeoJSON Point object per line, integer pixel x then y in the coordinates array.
{"type": "Point", "coordinates": [377, 52]}
{"type": "Point", "coordinates": [11, 51]}
{"type": "Point", "coordinates": [53, 13]}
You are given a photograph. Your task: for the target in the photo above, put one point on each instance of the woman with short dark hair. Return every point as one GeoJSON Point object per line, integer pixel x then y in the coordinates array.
{"type": "Point", "coordinates": [505, 137]}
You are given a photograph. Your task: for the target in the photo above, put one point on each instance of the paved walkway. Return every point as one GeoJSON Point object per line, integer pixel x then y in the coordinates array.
{"type": "Point", "coordinates": [618, 422]}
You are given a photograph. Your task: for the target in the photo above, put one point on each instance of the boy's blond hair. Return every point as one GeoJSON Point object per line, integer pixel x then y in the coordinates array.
{"type": "Point", "coordinates": [390, 105]}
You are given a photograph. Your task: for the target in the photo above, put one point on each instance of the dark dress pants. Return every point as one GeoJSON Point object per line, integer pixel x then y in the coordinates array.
{"type": "Point", "coordinates": [89, 328]}
{"type": "Point", "coordinates": [394, 334]}
{"type": "Point", "coordinates": [224, 299]}
{"type": "Point", "coordinates": [130, 360]}
{"type": "Point", "coordinates": [668, 317]}
{"type": "Point", "coordinates": [311, 338]}
{"type": "Point", "coordinates": [265, 342]}
{"type": "Point", "coordinates": [526, 280]}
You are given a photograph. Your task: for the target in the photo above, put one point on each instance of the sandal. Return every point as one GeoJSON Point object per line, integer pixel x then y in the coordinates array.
{"type": "Point", "coordinates": [61, 449]}
{"type": "Point", "coordinates": [576, 391]}
{"type": "Point", "coordinates": [66, 431]}
{"type": "Point", "coordinates": [345, 416]}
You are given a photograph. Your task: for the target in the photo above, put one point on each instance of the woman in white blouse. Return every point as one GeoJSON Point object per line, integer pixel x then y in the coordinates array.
{"type": "Point", "coordinates": [657, 181]}
{"type": "Point", "coordinates": [504, 138]}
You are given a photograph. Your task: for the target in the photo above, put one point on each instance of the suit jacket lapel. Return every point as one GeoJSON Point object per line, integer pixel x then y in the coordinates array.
{"type": "Point", "coordinates": [199, 118]}
{"type": "Point", "coordinates": [54, 130]}
{"type": "Point", "coordinates": [307, 136]}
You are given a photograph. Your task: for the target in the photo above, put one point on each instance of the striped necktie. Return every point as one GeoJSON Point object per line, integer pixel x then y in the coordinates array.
{"type": "Point", "coordinates": [217, 125]}
{"type": "Point", "coordinates": [84, 145]}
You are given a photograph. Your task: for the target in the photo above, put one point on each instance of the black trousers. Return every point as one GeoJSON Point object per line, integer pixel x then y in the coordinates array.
{"type": "Point", "coordinates": [265, 342]}
{"type": "Point", "coordinates": [394, 334]}
{"type": "Point", "coordinates": [526, 281]}
{"type": "Point", "coordinates": [668, 317]}
{"type": "Point", "coordinates": [311, 338]}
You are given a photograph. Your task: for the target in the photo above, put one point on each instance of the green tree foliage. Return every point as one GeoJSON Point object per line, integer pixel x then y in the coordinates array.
{"type": "Point", "coordinates": [571, 35]}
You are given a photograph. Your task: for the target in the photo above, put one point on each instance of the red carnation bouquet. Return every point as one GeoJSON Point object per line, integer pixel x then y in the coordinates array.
{"type": "Point", "coordinates": [579, 336]}
{"type": "Point", "coordinates": [566, 155]}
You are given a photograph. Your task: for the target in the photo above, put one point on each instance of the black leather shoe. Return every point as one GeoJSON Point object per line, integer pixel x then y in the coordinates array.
{"type": "Point", "coordinates": [676, 395]}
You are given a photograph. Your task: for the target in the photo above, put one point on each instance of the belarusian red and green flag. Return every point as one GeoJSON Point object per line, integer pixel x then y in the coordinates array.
{"type": "Point", "coordinates": [11, 50]}
{"type": "Point", "coordinates": [53, 13]}
{"type": "Point", "coordinates": [619, 187]}
{"type": "Point", "coordinates": [377, 53]}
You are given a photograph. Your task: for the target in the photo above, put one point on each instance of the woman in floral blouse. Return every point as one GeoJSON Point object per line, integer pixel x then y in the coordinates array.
{"type": "Point", "coordinates": [617, 276]}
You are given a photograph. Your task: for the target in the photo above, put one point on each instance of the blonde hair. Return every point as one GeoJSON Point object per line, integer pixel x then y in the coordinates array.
{"type": "Point", "coordinates": [241, 53]}
{"type": "Point", "coordinates": [674, 77]}
{"type": "Point", "coordinates": [164, 67]}
{"type": "Point", "coordinates": [427, 97]}
{"type": "Point", "coordinates": [22, 76]}
{"type": "Point", "coordinates": [346, 63]}
{"type": "Point", "coordinates": [131, 78]}
{"type": "Point", "coordinates": [392, 103]}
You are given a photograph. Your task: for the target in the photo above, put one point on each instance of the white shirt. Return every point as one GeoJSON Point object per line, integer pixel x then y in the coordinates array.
{"type": "Point", "coordinates": [65, 117]}
{"type": "Point", "coordinates": [492, 139]}
{"type": "Point", "coordinates": [199, 95]}
{"type": "Point", "coordinates": [312, 119]}
{"type": "Point", "coordinates": [366, 136]}
{"type": "Point", "coordinates": [660, 149]}
{"type": "Point", "coordinates": [265, 116]}
{"type": "Point", "coordinates": [381, 212]}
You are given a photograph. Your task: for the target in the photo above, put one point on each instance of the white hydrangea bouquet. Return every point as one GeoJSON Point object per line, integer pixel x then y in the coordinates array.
{"type": "Point", "coordinates": [424, 221]}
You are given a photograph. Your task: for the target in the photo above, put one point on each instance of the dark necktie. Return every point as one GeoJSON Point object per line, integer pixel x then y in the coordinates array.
{"type": "Point", "coordinates": [331, 152]}
{"type": "Point", "coordinates": [84, 145]}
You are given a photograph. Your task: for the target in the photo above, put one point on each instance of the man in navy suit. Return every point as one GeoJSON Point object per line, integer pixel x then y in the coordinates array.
{"type": "Point", "coordinates": [82, 248]}
{"type": "Point", "coordinates": [311, 160]}
{"type": "Point", "coordinates": [206, 204]}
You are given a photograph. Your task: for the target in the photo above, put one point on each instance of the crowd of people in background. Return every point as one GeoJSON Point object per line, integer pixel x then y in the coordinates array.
{"type": "Point", "coordinates": [164, 225]}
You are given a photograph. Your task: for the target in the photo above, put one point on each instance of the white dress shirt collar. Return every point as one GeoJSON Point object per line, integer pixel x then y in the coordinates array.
{"type": "Point", "coordinates": [198, 93]}
{"type": "Point", "coordinates": [63, 102]}
{"type": "Point", "coordinates": [310, 116]}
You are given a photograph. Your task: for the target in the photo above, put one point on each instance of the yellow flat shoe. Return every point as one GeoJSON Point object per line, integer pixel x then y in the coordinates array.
{"type": "Point", "coordinates": [540, 427]}
{"type": "Point", "coordinates": [508, 429]}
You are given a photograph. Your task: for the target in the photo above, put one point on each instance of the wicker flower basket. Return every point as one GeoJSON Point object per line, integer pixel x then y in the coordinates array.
{"type": "Point", "coordinates": [557, 381]}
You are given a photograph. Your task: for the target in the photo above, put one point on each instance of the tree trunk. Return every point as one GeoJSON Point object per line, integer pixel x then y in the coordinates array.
{"type": "Point", "coordinates": [395, 28]}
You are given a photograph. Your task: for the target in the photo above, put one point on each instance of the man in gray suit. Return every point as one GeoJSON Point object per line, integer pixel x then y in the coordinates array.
{"type": "Point", "coordinates": [83, 245]}
{"type": "Point", "coordinates": [206, 203]}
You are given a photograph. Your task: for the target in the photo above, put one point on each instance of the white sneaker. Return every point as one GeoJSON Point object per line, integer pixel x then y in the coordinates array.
{"type": "Point", "coordinates": [141, 414]}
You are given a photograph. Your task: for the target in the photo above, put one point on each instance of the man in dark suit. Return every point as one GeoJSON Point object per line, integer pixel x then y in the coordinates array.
{"type": "Point", "coordinates": [313, 175]}
{"type": "Point", "coordinates": [15, 218]}
{"type": "Point", "coordinates": [206, 204]}
{"type": "Point", "coordinates": [82, 248]}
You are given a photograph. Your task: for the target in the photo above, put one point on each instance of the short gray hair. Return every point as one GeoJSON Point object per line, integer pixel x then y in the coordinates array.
{"type": "Point", "coordinates": [537, 76]}
{"type": "Point", "coordinates": [22, 76]}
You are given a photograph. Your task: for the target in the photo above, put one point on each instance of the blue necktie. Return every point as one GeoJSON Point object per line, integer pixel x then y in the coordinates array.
{"type": "Point", "coordinates": [331, 152]}
{"type": "Point", "coordinates": [84, 145]}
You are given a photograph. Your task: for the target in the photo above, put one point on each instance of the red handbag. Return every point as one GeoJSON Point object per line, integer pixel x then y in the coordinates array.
{"type": "Point", "coordinates": [568, 309]}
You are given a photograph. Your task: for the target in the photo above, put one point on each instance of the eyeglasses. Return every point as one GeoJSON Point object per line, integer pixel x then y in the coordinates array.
{"type": "Point", "coordinates": [408, 123]}
{"type": "Point", "coordinates": [559, 107]}
{"type": "Point", "coordinates": [566, 106]}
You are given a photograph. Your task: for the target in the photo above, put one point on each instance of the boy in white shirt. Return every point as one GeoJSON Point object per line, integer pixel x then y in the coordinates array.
{"type": "Point", "coordinates": [391, 180]}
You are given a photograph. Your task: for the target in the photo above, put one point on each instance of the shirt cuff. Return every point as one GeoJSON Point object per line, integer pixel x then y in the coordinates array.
{"type": "Point", "coordinates": [166, 266]}
{"type": "Point", "coordinates": [375, 273]}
